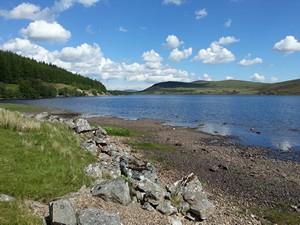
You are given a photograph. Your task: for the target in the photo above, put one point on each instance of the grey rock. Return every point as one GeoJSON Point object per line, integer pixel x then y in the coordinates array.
{"type": "Point", "coordinates": [154, 194]}
{"type": "Point", "coordinates": [90, 146]}
{"type": "Point", "coordinates": [116, 190]}
{"type": "Point", "coordinates": [137, 169]}
{"type": "Point", "coordinates": [98, 217]}
{"type": "Point", "coordinates": [94, 170]}
{"type": "Point", "coordinates": [174, 220]}
{"type": "Point", "coordinates": [110, 149]}
{"type": "Point", "coordinates": [81, 125]}
{"type": "Point", "coordinates": [101, 131]}
{"type": "Point", "coordinates": [166, 208]}
{"type": "Point", "coordinates": [62, 212]}
{"type": "Point", "coordinates": [147, 206]}
{"type": "Point", "coordinates": [6, 198]}
{"type": "Point", "coordinates": [56, 119]}
{"type": "Point", "coordinates": [42, 116]}
{"type": "Point", "coordinates": [203, 209]}
{"type": "Point", "coordinates": [101, 140]}
{"type": "Point", "coordinates": [104, 157]}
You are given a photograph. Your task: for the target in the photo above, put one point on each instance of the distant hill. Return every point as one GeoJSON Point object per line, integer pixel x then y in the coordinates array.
{"type": "Point", "coordinates": [22, 77]}
{"type": "Point", "coordinates": [226, 87]}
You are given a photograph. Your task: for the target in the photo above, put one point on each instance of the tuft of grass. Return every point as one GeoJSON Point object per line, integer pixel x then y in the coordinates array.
{"type": "Point", "coordinates": [16, 213]}
{"type": "Point", "coordinates": [21, 108]}
{"type": "Point", "coordinates": [118, 131]}
{"type": "Point", "coordinates": [16, 122]}
{"type": "Point", "coordinates": [42, 163]}
{"type": "Point", "coordinates": [151, 146]}
{"type": "Point", "coordinates": [278, 216]}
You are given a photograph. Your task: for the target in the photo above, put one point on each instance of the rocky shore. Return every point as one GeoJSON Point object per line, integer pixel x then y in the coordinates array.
{"type": "Point", "coordinates": [205, 180]}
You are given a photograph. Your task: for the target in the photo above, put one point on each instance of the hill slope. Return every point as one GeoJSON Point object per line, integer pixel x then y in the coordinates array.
{"type": "Point", "coordinates": [226, 87]}
{"type": "Point", "coordinates": [22, 77]}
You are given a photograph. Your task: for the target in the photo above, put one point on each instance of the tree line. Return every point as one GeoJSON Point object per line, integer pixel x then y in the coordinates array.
{"type": "Point", "coordinates": [22, 77]}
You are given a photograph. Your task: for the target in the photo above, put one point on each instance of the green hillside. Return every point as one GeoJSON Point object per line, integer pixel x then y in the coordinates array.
{"type": "Point", "coordinates": [22, 77]}
{"type": "Point", "coordinates": [225, 88]}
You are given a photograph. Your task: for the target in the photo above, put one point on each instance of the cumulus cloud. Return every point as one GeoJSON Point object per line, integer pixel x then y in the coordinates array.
{"type": "Point", "coordinates": [89, 60]}
{"type": "Point", "coordinates": [228, 23]}
{"type": "Point", "coordinates": [227, 40]}
{"type": "Point", "coordinates": [43, 31]}
{"type": "Point", "coordinates": [215, 54]}
{"type": "Point", "coordinates": [288, 45]}
{"type": "Point", "coordinates": [177, 55]}
{"type": "Point", "coordinates": [175, 2]}
{"type": "Point", "coordinates": [206, 77]}
{"type": "Point", "coordinates": [250, 62]}
{"type": "Point", "coordinates": [34, 12]}
{"type": "Point", "coordinates": [257, 77]}
{"type": "Point", "coordinates": [201, 13]}
{"type": "Point", "coordinates": [152, 59]}
{"type": "Point", "coordinates": [172, 42]}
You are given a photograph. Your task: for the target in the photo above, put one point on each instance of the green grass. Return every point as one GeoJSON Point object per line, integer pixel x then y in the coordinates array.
{"type": "Point", "coordinates": [21, 108]}
{"type": "Point", "coordinates": [280, 217]}
{"type": "Point", "coordinates": [151, 146]}
{"type": "Point", "coordinates": [118, 131]}
{"type": "Point", "coordinates": [16, 213]}
{"type": "Point", "coordinates": [41, 163]}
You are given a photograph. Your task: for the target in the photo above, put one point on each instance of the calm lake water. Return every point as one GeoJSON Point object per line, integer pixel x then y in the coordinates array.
{"type": "Point", "coordinates": [268, 121]}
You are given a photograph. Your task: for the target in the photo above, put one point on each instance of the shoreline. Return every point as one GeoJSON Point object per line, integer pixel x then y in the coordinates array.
{"type": "Point", "coordinates": [244, 173]}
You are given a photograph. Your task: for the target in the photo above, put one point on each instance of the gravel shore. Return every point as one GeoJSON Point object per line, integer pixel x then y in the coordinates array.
{"type": "Point", "coordinates": [239, 179]}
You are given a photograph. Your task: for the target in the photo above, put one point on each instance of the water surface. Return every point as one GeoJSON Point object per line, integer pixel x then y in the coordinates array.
{"type": "Point", "coordinates": [268, 121]}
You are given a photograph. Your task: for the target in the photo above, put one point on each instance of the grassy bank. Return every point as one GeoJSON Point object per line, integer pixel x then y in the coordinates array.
{"type": "Point", "coordinates": [39, 161]}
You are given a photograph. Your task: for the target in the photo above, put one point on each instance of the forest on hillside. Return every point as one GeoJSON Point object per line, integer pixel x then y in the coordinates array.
{"type": "Point", "coordinates": [22, 77]}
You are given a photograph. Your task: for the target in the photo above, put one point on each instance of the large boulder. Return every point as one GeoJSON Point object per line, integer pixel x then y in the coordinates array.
{"type": "Point", "coordinates": [116, 190]}
{"type": "Point", "coordinates": [97, 217]}
{"type": "Point", "coordinates": [62, 213]}
{"type": "Point", "coordinates": [81, 125]}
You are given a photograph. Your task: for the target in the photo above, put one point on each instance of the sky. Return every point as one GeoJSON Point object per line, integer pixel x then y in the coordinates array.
{"type": "Point", "coordinates": [132, 44]}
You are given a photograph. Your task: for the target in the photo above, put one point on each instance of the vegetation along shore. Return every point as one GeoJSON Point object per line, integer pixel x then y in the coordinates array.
{"type": "Point", "coordinates": [43, 160]}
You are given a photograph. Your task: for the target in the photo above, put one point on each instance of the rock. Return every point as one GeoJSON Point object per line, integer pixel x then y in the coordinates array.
{"type": "Point", "coordinates": [166, 208]}
{"type": "Point", "coordinates": [42, 116]}
{"type": "Point", "coordinates": [101, 140]}
{"type": "Point", "coordinates": [154, 194]}
{"type": "Point", "coordinates": [98, 217]}
{"type": "Point", "coordinates": [100, 131]}
{"type": "Point", "coordinates": [137, 169]}
{"type": "Point", "coordinates": [6, 198]}
{"type": "Point", "coordinates": [203, 209]}
{"type": "Point", "coordinates": [111, 149]}
{"type": "Point", "coordinates": [90, 146]}
{"type": "Point", "coordinates": [81, 125]}
{"type": "Point", "coordinates": [174, 220]}
{"type": "Point", "coordinates": [62, 213]}
{"type": "Point", "coordinates": [94, 170]}
{"type": "Point", "coordinates": [116, 190]}
{"type": "Point", "coordinates": [147, 206]}
{"type": "Point", "coordinates": [56, 119]}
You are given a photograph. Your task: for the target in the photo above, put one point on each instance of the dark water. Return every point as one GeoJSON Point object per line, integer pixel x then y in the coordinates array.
{"type": "Point", "coordinates": [268, 121]}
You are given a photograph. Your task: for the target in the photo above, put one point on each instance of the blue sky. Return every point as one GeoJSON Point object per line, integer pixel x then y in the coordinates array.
{"type": "Point", "coordinates": [132, 44]}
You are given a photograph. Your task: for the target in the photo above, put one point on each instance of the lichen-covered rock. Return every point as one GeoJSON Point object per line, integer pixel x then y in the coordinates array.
{"type": "Point", "coordinates": [97, 217]}
{"type": "Point", "coordinates": [90, 146]}
{"type": "Point", "coordinates": [81, 125]}
{"type": "Point", "coordinates": [166, 208]}
{"type": "Point", "coordinates": [62, 212]}
{"type": "Point", "coordinates": [154, 194]}
{"type": "Point", "coordinates": [116, 190]}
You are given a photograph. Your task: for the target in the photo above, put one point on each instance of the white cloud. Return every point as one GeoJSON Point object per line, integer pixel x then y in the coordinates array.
{"type": "Point", "coordinates": [89, 60]}
{"type": "Point", "coordinates": [227, 40]}
{"type": "Point", "coordinates": [250, 62]}
{"type": "Point", "coordinates": [201, 13]}
{"type": "Point", "coordinates": [228, 23]}
{"type": "Point", "coordinates": [122, 29]}
{"type": "Point", "coordinates": [172, 42]}
{"type": "Point", "coordinates": [177, 55]}
{"type": "Point", "coordinates": [229, 78]}
{"type": "Point", "coordinates": [34, 12]}
{"type": "Point", "coordinates": [258, 78]}
{"type": "Point", "coordinates": [273, 79]}
{"type": "Point", "coordinates": [206, 77]}
{"type": "Point", "coordinates": [89, 29]}
{"type": "Point", "coordinates": [288, 45]}
{"type": "Point", "coordinates": [152, 59]}
{"type": "Point", "coordinates": [215, 54]}
{"type": "Point", "coordinates": [43, 31]}
{"type": "Point", "coordinates": [175, 2]}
